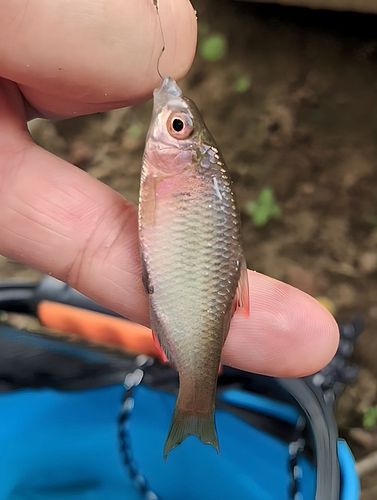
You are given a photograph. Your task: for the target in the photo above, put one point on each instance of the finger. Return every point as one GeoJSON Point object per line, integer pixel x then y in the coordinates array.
{"type": "Point", "coordinates": [79, 56]}
{"type": "Point", "coordinates": [288, 333]}
{"type": "Point", "coordinates": [63, 222]}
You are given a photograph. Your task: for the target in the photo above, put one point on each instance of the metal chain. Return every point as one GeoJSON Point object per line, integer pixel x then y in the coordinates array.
{"type": "Point", "coordinates": [295, 450]}
{"type": "Point", "coordinates": [131, 381]}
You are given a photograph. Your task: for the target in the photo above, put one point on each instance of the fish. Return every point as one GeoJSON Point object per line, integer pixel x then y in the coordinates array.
{"type": "Point", "coordinates": [193, 266]}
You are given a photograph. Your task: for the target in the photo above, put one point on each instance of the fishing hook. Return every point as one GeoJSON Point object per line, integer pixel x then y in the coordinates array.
{"type": "Point", "coordinates": [155, 3]}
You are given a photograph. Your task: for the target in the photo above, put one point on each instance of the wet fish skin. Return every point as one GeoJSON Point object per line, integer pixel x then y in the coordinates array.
{"type": "Point", "coordinates": [192, 256]}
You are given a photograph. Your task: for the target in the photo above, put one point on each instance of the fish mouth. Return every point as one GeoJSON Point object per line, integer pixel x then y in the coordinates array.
{"type": "Point", "coordinates": [167, 90]}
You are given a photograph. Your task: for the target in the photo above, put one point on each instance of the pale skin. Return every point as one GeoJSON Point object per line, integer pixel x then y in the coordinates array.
{"type": "Point", "coordinates": [73, 57]}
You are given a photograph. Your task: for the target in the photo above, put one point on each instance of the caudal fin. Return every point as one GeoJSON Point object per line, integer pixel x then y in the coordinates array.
{"type": "Point", "coordinates": [184, 424]}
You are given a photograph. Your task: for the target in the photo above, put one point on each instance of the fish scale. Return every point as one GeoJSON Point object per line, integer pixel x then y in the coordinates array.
{"type": "Point", "coordinates": [191, 252]}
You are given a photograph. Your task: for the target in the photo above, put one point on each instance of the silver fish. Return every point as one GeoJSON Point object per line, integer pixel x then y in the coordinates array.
{"type": "Point", "coordinates": [192, 259]}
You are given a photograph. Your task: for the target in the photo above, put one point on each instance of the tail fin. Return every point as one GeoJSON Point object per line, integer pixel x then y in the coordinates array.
{"type": "Point", "coordinates": [184, 424]}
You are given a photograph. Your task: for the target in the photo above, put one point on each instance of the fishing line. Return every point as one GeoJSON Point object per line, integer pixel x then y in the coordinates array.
{"type": "Point", "coordinates": [155, 3]}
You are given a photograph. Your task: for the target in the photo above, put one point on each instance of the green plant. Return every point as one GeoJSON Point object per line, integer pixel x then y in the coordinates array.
{"type": "Point", "coordinates": [134, 131]}
{"type": "Point", "coordinates": [264, 208]}
{"type": "Point", "coordinates": [370, 417]}
{"type": "Point", "coordinates": [213, 47]}
{"type": "Point", "coordinates": [242, 84]}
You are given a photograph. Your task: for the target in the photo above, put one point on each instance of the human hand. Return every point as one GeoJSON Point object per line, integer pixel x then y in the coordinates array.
{"type": "Point", "coordinates": [61, 59]}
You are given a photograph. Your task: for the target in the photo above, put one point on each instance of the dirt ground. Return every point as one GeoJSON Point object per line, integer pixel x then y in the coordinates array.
{"type": "Point", "coordinates": [306, 127]}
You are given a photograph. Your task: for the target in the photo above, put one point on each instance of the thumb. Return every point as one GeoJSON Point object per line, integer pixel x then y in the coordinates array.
{"type": "Point", "coordinates": [77, 57]}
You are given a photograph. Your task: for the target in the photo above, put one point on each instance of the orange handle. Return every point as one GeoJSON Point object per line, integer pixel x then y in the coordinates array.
{"type": "Point", "coordinates": [98, 328]}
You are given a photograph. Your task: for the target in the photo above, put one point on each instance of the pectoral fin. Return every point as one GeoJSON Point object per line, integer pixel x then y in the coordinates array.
{"type": "Point", "coordinates": [147, 201]}
{"type": "Point", "coordinates": [242, 300]}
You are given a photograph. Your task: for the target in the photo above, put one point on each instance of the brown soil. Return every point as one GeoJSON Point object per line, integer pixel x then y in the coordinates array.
{"type": "Point", "coordinates": [307, 127]}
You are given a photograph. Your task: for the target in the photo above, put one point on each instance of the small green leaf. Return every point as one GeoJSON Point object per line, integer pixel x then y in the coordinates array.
{"type": "Point", "coordinates": [266, 196]}
{"type": "Point", "coordinates": [260, 217]}
{"type": "Point", "coordinates": [213, 47]}
{"type": "Point", "coordinates": [134, 131]}
{"type": "Point", "coordinates": [370, 417]}
{"type": "Point", "coordinates": [242, 84]}
{"type": "Point", "coordinates": [264, 208]}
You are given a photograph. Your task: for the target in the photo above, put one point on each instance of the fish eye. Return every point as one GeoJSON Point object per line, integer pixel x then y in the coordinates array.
{"type": "Point", "coordinates": [177, 124]}
{"type": "Point", "coordinates": [180, 126]}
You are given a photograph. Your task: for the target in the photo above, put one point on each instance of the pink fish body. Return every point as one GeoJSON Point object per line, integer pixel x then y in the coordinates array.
{"type": "Point", "coordinates": [193, 265]}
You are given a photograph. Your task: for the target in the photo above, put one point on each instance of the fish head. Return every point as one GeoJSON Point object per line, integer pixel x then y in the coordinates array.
{"type": "Point", "coordinates": [176, 132]}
